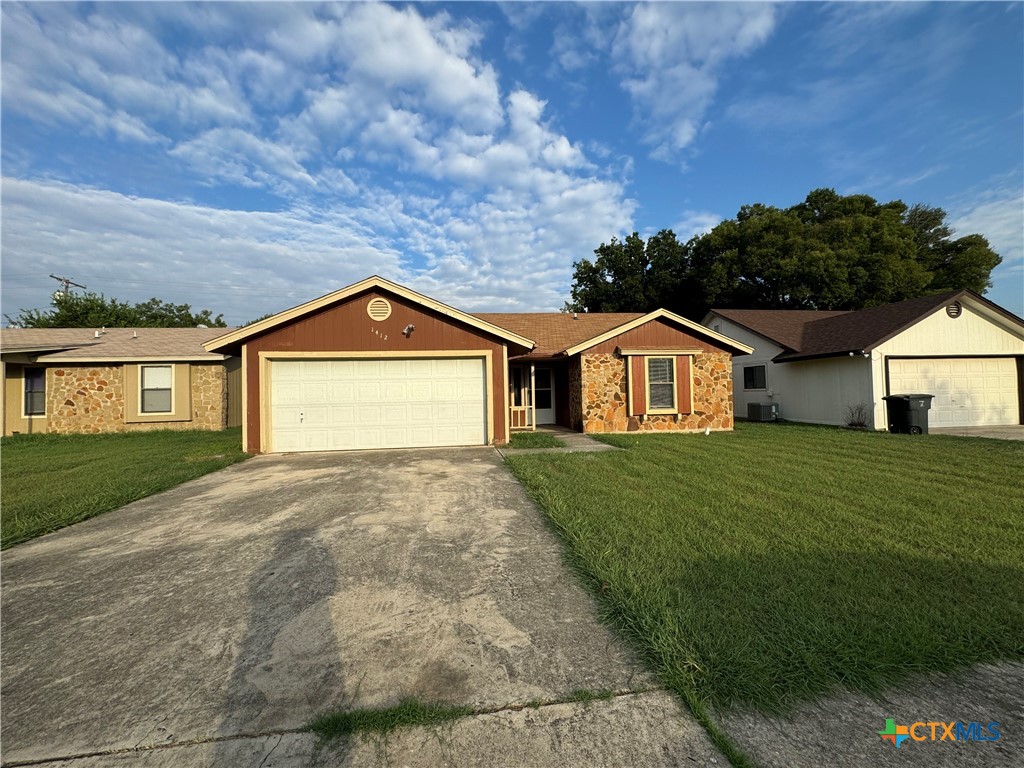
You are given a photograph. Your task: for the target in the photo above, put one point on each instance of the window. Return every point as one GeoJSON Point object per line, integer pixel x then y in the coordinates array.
{"type": "Point", "coordinates": [661, 384]}
{"type": "Point", "coordinates": [753, 377]}
{"type": "Point", "coordinates": [155, 389]}
{"type": "Point", "coordinates": [35, 391]}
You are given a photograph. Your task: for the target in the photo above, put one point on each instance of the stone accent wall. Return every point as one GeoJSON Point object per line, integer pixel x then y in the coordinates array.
{"type": "Point", "coordinates": [604, 396]}
{"type": "Point", "coordinates": [89, 399]}
{"type": "Point", "coordinates": [85, 399]}
{"type": "Point", "coordinates": [209, 396]}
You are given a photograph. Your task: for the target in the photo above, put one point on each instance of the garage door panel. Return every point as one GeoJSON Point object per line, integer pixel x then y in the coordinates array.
{"type": "Point", "coordinates": [968, 391]}
{"type": "Point", "coordinates": [342, 391]}
{"type": "Point", "coordinates": [362, 404]}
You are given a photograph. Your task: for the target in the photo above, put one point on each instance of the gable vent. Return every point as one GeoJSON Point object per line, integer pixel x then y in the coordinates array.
{"type": "Point", "coordinates": [954, 309]}
{"type": "Point", "coordinates": [379, 309]}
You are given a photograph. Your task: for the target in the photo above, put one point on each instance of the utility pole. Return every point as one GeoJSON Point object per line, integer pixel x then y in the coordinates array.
{"type": "Point", "coordinates": [65, 284]}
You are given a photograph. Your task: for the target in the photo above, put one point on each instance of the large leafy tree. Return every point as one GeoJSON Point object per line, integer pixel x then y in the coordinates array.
{"type": "Point", "coordinates": [93, 310]}
{"type": "Point", "coordinates": [828, 252]}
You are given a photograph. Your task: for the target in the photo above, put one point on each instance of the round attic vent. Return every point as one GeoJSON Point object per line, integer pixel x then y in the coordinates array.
{"type": "Point", "coordinates": [954, 309]}
{"type": "Point", "coordinates": [379, 309]}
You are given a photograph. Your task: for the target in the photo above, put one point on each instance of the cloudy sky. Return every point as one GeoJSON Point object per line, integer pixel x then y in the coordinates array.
{"type": "Point", "coordinates": [246, 158]}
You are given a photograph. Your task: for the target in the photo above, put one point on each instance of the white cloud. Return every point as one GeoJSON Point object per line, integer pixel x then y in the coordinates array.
{"type": "Point", "coordinates": [385, 137]}
{"type": "Point", "coordinates": [670, 56]}
{"type": "Point", "coordinates": [242, 263]}
{"type": "Point", "coordinates": [695, 223]}
{"type": "Point", "coordinates": [996, 210]}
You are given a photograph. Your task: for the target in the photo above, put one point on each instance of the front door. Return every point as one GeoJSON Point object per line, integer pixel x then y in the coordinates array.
{"type": "Point", "coordinates": [544, 395]}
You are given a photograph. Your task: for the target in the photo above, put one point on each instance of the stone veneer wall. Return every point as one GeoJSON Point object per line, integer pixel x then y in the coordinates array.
{"type": "Point", "coordinates": [86, 399]}
{"type": "Point", "coordinates": [604, 396]}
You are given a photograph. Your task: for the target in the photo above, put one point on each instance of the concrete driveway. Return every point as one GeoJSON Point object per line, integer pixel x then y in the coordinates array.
{"type": "Point", "coordinates": [1012, 432]}
{"type": "Point", "coordinates": [208, 625]}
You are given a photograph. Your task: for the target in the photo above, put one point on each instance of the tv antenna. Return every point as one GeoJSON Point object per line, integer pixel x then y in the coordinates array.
{"type": "Point", "coordinates": [65, 285]}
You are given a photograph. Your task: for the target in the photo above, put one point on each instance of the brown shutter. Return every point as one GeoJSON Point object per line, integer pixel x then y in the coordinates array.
{"type": "Point", "coordinates": [683, 384]}
{"type": "Point", "coordinates": [638, 380]}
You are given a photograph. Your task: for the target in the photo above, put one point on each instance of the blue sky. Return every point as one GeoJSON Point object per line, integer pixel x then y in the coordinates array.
{"type": "Point", "coordinates": [247, 158]}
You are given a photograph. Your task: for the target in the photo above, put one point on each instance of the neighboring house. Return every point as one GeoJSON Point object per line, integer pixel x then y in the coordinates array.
{"type": "Point", "coordinates": [376, 365]}
{"type": "Point", "coordinates": [67, 380]}
{"type": "Point", "coordinates": [957, 346]}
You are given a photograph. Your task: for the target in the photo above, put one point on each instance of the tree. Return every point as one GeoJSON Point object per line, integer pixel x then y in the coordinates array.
{"type": "Point", "coordinates": [630, 275]}
{"type": "Point", "coordinates": [827, 252]}
{"type": "Point", "coordinates": [94, 310]}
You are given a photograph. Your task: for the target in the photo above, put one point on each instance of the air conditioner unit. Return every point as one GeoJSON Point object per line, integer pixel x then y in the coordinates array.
{"type": "Point", "coordinates": [762, 411]}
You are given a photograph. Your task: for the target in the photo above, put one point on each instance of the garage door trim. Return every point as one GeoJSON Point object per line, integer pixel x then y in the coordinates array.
{"type": "Point", "coordinates": [1018, 360]}
{"type": "Point", "coordinates": [267, 357]}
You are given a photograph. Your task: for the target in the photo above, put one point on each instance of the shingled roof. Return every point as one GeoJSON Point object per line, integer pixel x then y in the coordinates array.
{"type": "Point", "coordinates": [555, 332]}
{"type": "Point", "coordinates": [783, 326]}
{"type": "Point", "coordinates": [810, 334]}
{"type": "Point", "coordinates": [82, 344]}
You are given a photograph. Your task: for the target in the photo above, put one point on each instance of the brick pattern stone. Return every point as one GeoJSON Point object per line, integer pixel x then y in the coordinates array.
{"type": "Point", "coordinates": [89, 399]}
{"type": "Point", "coordinates": [604, 392]}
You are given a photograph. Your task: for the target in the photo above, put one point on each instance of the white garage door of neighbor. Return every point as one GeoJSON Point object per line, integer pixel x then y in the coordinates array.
{"type": "Point", "coordinates": [968, 391]}
{"type": "Point", "coordinates": [337, 405]}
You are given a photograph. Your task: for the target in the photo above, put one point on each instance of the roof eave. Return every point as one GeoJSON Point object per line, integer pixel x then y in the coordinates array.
{"type": "Point", "coordinates": [656, 314]}
{"type": "Point", "coordinates": [242, 334]}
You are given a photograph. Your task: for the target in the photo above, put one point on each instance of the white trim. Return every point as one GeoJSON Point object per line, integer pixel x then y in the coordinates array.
{"type": "Point", "coordinates": [369, 283]}
{"type": "Point", "coordinates": [651, 410]}
{"type": "Point", "coordinates": [656, 314]}
{"type": "Point", "coordinates": [142, 376]}
{"type": "Point", "coordinates": [660, 352]}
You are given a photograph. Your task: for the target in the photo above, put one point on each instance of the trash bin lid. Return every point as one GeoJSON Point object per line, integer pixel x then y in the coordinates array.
{"type": "Point", "coordinates": [900, 397]}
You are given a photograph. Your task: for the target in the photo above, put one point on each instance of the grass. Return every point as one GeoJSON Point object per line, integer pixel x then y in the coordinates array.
{"type": "Point", "coordinates": [408, 713]}
{"type": "Point", "coordinates": [52, 481]}
{"type": "Point", "coordinates": [534, 440]}
{"type": "Point", "coordinates": [771, 565]}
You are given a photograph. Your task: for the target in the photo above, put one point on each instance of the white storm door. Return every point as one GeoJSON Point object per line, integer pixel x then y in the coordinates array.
{"type": "Point", "coordinates": [544, 395]}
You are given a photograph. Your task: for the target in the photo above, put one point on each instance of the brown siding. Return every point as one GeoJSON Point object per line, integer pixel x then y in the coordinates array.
{"type": "Point", "coordinates": [233, 367]}
{"type": "Point", "coordinates": [656, 333]}
{"type": "Point", "coordinates": [683, 383]}
{"type": "Point", "coordinates": [346, 328]}
{"type": "Point", "coordinates": [639, 384]}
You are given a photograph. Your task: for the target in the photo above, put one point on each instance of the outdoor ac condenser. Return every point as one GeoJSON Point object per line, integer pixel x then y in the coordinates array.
{"type": "Point", "coordinates": [762, 411]}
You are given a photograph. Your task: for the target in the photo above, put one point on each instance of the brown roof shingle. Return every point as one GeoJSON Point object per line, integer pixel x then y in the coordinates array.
{"type": "Point", "coordinates": [784, 326]}
{"type": "Point", "coordinates": [555, 332]}
{"type": "Point", "coordinates": [807, 334]}
{"type": "Point", "coordinates": [71, 344]}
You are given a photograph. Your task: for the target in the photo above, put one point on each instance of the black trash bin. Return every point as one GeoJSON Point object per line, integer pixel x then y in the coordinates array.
{"type": "Point", "coordinates": [908, 414]}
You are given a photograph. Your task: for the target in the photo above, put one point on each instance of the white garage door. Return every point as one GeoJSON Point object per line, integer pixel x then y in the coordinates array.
{"type": "Point", "coordinates": [968, 391]}
{"type": "Point", "coordinates": [337, 405]}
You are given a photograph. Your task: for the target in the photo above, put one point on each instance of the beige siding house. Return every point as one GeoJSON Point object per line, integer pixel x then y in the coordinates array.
{"type": "Point", "coordinates": [816, 366]}
{"type": "Point", "coordinates": [84, 380]}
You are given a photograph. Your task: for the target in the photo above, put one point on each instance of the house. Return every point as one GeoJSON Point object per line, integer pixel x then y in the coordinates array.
{"type": "Point", "coordinates": [818, 366]}
{"type": "Point", "coordinates": [85, 380]}
{"type": "Point", "coordinates": [377, 365]}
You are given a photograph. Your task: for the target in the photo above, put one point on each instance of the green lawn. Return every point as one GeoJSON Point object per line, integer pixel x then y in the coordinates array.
{"type": "Point", "coordinates": [50, 481]}
{"type": "Point", "coordinates": [769, 565]}
{"type": "Point", "coordinates": [534, 440]}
